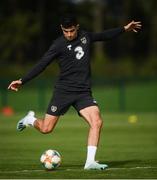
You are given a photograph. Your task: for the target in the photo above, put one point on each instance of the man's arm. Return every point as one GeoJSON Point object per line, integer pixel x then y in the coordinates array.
{"type": "Point", "coordinates": [112, 33]}
{"type": "Point", "coordinates": [49, 56]}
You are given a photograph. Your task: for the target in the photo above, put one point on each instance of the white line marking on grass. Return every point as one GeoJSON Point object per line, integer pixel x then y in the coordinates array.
{"type": "Point", "coordinates": [127, 168]}
{"type": "Point", "coordinates": [22, 171]}
{"type": "Point", "coordinates": [108, 169]}
{"type": "Point", "coordinates": [148, 167]}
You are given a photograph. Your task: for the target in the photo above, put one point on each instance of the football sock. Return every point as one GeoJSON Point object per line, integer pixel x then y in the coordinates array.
{"type": "Point", "coordinates": [91, 152]}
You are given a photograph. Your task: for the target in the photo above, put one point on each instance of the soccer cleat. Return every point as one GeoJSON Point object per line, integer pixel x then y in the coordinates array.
{"type": "Point", "coordinates": [95, 166]}
{"type": "Point", "coordinates": [21, 125]}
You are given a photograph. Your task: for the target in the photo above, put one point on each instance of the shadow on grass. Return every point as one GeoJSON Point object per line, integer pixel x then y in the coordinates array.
{"type": "Point", "coordinates": [114, 164]}
{"type": "Point", "coordinates": [111, 164]}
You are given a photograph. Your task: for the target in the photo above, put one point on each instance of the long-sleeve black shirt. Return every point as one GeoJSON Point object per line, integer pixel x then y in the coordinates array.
{"type": "Point", "coordinates": [73, 58]}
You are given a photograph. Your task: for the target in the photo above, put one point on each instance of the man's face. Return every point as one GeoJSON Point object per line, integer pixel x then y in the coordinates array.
{"type": "Point", "coordinates": [70, 33]}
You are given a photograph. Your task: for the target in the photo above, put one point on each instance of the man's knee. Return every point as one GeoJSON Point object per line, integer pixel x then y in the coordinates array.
{"type": "Point", "coordinates": [97, 123]}
{"type": "Point", "coordinates": [46, 130]}
{"type": "Point", "coordinates": [48, 124]}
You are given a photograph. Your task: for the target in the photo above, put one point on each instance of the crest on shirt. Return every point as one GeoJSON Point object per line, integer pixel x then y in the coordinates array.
{"type": "Point", "coordinates": [84, 40]}
{"type": "Point", "coordinates": [53, 108]}
{"type": "Point", "coordinates": [69, 47]}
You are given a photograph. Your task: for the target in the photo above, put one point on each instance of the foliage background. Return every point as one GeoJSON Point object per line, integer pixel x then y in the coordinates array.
{"type": "Point", "coordinates": [124, 70]}
{"type": "Point", "coordinates": [29, 27]}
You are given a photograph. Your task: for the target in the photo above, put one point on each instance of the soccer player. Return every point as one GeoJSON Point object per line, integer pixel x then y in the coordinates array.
{"type": "Point", "coordinates": [73, 88]}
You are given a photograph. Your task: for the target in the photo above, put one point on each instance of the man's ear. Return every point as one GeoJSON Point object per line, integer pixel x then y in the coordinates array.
{"type": "Point", "coordinates": [77, 26]}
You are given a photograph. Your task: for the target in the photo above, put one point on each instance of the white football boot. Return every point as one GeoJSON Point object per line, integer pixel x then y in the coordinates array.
{"type": "Point", "coordinates": [95, 166]}
{"type": "Point", "coordinates": [26, 121]}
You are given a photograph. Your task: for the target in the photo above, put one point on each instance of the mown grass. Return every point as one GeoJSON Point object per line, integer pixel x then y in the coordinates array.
{"type": "Point", "coordinates": [128, 148]}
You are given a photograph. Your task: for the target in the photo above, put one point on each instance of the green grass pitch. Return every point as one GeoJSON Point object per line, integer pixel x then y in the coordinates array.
{"type": "Point", "coordinates": [130, 149]}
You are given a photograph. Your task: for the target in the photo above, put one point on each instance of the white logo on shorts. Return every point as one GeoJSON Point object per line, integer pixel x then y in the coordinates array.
{"type": "Point", "coordinates": [94, 101]}
{"type": "Point", "coordinates": [53, 108]}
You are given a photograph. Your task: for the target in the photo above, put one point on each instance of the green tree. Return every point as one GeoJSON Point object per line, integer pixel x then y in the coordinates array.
{"type": "Point", "coordinates": [17, 32]}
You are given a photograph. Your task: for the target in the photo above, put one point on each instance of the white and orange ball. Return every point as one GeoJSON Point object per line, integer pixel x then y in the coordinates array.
{"type": "Point", "coordinates": [50, 159]}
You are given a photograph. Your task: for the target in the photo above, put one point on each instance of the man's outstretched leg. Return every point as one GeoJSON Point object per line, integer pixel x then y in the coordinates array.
{"type": "Point", "coordinates": [44, 126]}
{"type": "Point", "coordinates": [92, 116]}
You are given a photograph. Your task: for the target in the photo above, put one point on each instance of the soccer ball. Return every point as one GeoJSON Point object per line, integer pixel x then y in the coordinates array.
{"type": "Point", "coordinates": [50, 159]}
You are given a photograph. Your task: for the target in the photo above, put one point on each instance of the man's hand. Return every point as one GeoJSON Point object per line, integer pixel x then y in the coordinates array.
{"type": "Point", "coordinates": [133, 26]}
{"type": "Point", "coordinates": [14, 85]}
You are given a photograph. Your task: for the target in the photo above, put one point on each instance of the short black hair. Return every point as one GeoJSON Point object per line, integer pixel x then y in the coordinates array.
{"type": "Point", "coordinates": [68, 20]}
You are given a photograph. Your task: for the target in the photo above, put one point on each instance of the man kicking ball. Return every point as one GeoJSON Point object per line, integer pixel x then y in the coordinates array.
{"type": "Point", "coordinates": [73, 88]}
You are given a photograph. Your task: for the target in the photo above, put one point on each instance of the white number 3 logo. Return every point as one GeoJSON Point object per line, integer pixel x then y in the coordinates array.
{"type": "Point", "coordinates": [80, 52]}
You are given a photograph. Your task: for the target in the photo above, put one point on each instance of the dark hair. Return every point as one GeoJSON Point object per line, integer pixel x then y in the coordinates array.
{"type": "Point", "coordinates": [68, 20]}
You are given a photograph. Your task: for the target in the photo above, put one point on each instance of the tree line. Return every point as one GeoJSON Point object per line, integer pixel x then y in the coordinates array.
{"type": "Point", "coordinates": [29, 27]}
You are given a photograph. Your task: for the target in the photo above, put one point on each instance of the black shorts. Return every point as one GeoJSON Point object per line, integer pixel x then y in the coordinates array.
{"type": "Point", "coordinates": [61, 102]}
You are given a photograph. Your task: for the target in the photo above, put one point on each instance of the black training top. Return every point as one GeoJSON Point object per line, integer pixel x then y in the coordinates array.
{"type": "Point", "coordinates": [73, 58]}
